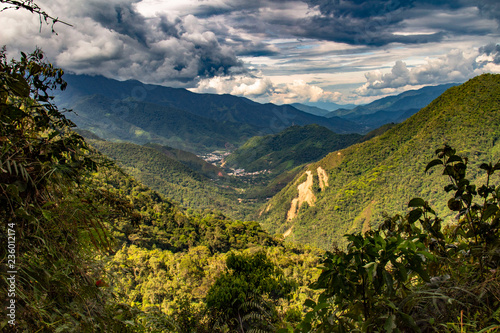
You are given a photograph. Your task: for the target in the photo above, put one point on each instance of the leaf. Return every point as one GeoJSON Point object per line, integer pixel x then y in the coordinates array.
{"type": "Point", "coordinates": [486, 166]}
{"type": "Point", "coordinates": [454, 205]}
{"type": "Point", "coordinates": [449, 171]}
{"type": "Point", "coordinates": [416, 202]}
{"type": "Point", "coordinates": [492, 209]}
{"type": "Point", "coordinates": [310, 303]}
{"type": "Point", "coordinates": [414, 215]}
{"type": "Point", "coordinates": [390, 323]}
{"type": "Point", "coordinates": [388, 280]}
{"type": "Point", "coordinates": [450, 187]}
{"type": "Point", "coordinates": [371, 269]}
{"type": "Point", "coordinates": [433, 163]}
{"type": "Point", "coordinates": [454, 158]}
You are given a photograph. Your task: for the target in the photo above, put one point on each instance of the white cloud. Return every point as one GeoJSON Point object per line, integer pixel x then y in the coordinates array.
{"type": "Point", "coordinates": [456, 66]}
{"type": "Point", "coordinates": [264, 89]}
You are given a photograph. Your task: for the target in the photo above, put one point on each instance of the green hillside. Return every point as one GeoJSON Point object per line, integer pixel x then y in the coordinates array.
{"type": "Point", "coordinates": [348, 191]}
{"type": "Point", "coordinates": [172, 178]}
{"type": "Point", "coordinates": [288, 149]}
{"type": "Point", "coordinates": [90, 249]}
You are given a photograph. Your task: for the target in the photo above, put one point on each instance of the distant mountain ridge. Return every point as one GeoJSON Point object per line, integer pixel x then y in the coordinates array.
{"type": "Point", "coordinates": [311, 109]}
{"type": "Point", "coordinates": [392, 108]}
{"type": "Point", "coordinates": [141, 122]}
{"type": "Point", "coordinates": [236, 114]}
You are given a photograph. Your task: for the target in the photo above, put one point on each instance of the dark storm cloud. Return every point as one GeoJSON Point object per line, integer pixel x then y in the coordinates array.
{"type": "Point", "coordinates": [121, 17]}
{"type": "Point", "coordinates": [377, 22]}
{"type": "Point", "coordinates": [176, 51]}
{"type": "Point", "coordinates": [170, 28]}
{"type": "Point", "coordinates": [492, 50]}
{"type": "Point", "coordinates": [489, 8]}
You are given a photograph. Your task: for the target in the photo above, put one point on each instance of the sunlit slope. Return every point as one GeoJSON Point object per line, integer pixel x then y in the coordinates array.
{"type": "Point", "coordinates": [349, 189]}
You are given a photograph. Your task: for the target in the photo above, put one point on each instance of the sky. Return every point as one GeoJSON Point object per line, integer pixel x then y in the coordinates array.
{"type": "Point", "coordinates": [280, 51]}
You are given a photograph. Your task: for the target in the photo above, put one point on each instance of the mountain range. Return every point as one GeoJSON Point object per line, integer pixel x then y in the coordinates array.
{"type": "Point", "coordinates": [137, 112]}
{"type": "Point", "coordinates": [390, 109]}
{"type": "Point", "coordinates": [288, 149]}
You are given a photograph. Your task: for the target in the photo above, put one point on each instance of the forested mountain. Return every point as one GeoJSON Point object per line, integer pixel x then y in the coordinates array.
{"type": "Point", "coordinates": [142, 111]}
{"type": "Point", "coordinates": [348, 190]}
{"type": "Point", "coordinates": [392, 108]}
{"type": "Point", "coordinates": [90, 249]}
{"type": "Point", "coordinates": [143, 122]}
{"type": "Point", "coordinates": [93, 250]}
{"type": "Point", "coordinates": [288, 149]}
{"type": "Point", "coordinates": [190, 160]}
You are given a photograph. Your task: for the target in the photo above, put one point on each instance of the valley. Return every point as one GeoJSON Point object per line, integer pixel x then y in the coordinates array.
{"type": "Point", "coordinates": [263, 218]}
{"type": "Point", "coordinates": [249, 167]}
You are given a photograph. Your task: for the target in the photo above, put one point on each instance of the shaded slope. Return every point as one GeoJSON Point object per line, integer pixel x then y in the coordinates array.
{"type": "Point", "coordinates": [382, 174]}
{"type": "Point", "coordinates": [141, 122]}
{"type": "Point", "coordinates": [288, 149]}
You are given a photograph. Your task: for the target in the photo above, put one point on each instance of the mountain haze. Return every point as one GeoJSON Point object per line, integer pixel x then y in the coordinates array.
{"type": "Point", "coordinates": [392, 108]}
{"type": "Point", "coordinates": [348, 190]}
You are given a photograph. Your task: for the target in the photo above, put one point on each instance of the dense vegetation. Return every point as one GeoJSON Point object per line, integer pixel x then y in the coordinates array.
{"type": "Point", "coordinates": [155, 267]}
{"type": "Point", "coordinates": [381, 174]}
{"type": "Point", "coordinates": [50, 228]}
{"type": "Point", "coordinates": [412, 274]}
{"type": "Point", "coordinates": [288, 149]}
{"type": "Point", "coordinates": [171, 178]}
{"type": "Point", "coordinates": [86, 248]}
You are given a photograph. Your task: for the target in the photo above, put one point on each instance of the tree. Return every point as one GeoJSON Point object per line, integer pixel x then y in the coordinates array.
{"type": "Point", "coordinates": [50, 224]}
{"type": "Point", "coordinates": [242, 298]}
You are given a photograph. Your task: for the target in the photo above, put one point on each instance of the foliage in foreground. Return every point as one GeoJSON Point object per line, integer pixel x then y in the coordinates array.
{"type": "Point", "coordinates": [47, 213]}
{"type": "Point", "coordinates": [414, 275]}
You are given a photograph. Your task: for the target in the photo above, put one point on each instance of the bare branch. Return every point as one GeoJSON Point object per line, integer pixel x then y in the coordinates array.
{"type": "Point", "coordinates": [32, 7]}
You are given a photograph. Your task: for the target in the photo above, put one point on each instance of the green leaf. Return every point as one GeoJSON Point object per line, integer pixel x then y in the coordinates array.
{"type": "Point", "coordinates": [416, 202]}
{"type": "Point", "coordinates": [371, 269]}
{"type": "Point", "coordinates": [492, 209]}
{"type": "Point", "coordinates": [454, 205]}
{"type": "Point", "coordinates": [409, 321]}
{"type": "Point", "coordinates": [388, 280]}
{"type": "Point", "coordinates": [414, 215]}
{"type": "Point", "coordinates": [390, 323]}
{"type": "Point", "coordinates": [310, 303]}
{"type": "Point", "coordinates": [433, 163]}
{"type": "Point", "coordinates": [486, 166]}
{"type": "Point", "coordinates": [454, 158]}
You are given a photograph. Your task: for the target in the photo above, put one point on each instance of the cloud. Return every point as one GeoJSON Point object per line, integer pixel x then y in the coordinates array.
{"type": "Point", "coordinates": [492, 53]}
{"type": "Point", "coordinates": [456, 66]}
{"type": "Point", "coordinates": [261, 88]}
{"type": "Point", "coordinates": [380, 22]}
{"type": "Point", "coordinates": [300, 48]}
{"type": "Point", "coordinates": [113, 39]}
